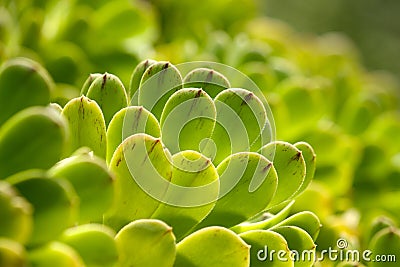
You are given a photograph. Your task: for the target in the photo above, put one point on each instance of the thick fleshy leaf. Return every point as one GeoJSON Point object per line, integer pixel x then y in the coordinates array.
{"type": "Point", "coordinates": [89, 81]}
{"type": "Point", "coordinates": [191, 170]}
{"type": "Point", "coordinates": [146, 242]}
{"type": "Point", "coordinates": [310, 160]}
{"type": "Point", "coordinates": [56, 107]}
{"type": "Point", "coordinates": [265, 246]}
{"type": "Point", "coordinates": [305, 220]}
{"type": "Point", "coordinates": [55, 254]}
{"type": "Point", "coordinates": [12, 253]}
{"type": "Point", "coordinates": [211, 81]}
{"type": "Point", "coordinates": [127, 122]}
{"type": "Point", "coordinates": [23, 83]}
{"type": "Point", "coordinates": [241, 118]}
{"type": "Point", "coordinates": [158, 83]}
{"type": "Point", "coordinates": [94, 242]}
{"type": "Point", "coordinates": [109, 93]}
{"type": "Point", "coordinates": [137, 77]}
{"type": "Point", "coordinates": [54, 203]}
{"type": "Point", "coordinates": [86, 124]}
{"type": "Point", "coordinates": [16, 212]}
{"type": "Point", "coordinates": [93, 183]}
{"type": "Point", "coordinates": [35, 137]}
{"type": "Point", "coordinates": [248, 183]}
{"type": "Point", "coordinates": [143, 169]}
{"type": "Point", "coordinates": [264, 221]}
{"type": "Point", "coordinates": [379, 223]}
{"type": "Point", "coordinates": [187, 120]}
{"type": "Point", "coordinates": [300, 243]}
{"type": "Point", "coordinates": [290, 166]}
{"type": "Point", "coordinates": [385, 243]}
{"type": "Point", "coordinates": [213, 246]}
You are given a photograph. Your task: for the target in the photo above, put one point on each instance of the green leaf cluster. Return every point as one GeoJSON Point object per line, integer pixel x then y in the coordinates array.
{"type": "Point", "coordinates": [161, 174]}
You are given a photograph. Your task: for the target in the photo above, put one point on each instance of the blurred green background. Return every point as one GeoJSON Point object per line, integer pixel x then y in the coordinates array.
{"type": "Point", "coordinates": [373, 25]}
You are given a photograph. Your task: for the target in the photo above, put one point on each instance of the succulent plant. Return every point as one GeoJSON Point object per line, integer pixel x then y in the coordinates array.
{"type": "Point", "coordinates": [18, 212]}
{"type": "Point", "coordinates": [89, 240]}
{"type": "Point", "coordinates": [163, 165]}
{"type": "Point", "coordinates": [189, 171]}
{"type": "Point", "coordinates": [316, 88]}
